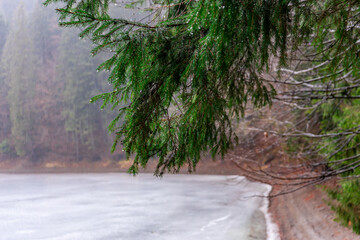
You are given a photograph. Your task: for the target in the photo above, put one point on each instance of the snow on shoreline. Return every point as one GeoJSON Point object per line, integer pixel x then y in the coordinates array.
{"type": "Point", "coordinates": [272, 230]}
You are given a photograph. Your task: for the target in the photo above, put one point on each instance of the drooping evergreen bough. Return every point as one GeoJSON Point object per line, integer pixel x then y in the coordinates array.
{"type": "Point", "coordinates": [186, 72]}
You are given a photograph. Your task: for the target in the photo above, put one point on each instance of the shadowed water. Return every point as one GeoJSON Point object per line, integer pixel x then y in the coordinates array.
{"type": "Point", "coordinates": [122, 207]}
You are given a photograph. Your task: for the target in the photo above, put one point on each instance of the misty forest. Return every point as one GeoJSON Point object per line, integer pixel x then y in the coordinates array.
{"type": "Point", "coordinates": [268, 90]}
{"type": "Point", "coordinates": [47, 80]}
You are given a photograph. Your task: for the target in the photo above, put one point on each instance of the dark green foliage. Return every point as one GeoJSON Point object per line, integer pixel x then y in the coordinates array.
{"type": "Point", "coordinates": [3, 36]}
{"type": "Point", "coordinates": [347, 206]}
{"type": "Point", "coordinates": [43, 30]}
{"type": "Point", "coordinates": [77, 70]}
{"type": "Point", "coordinates": [38, 114]}
{"type": "Point", "coordinates": [335, 51]}
{"type": "Point", "coordinates": [5, 147]}
{"type": "Point", "coordinates": [183, 78]}
{"type": "Point", "coordinates": [344, 115]}
{"type": "Point", "coordinates": [18, 61]}
{"type": "Point", "coordinates": [9, 7]}
{"type": "Point", "coordinates": [3, 32]}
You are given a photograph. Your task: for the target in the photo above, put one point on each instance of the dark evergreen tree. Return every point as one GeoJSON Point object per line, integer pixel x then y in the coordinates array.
{"type": "Point", "coordinates": [32, 93]}
{"type": "Point", "coordinates": [3, 36]}
{"type": "Point", "coordinates": [4, 108]}
{"type": "Point", "coordinates": [44, 30]}
{"type": "Point", "coordinates": [187, 63]}
{"type": "Point", "coordinates": [49, 131]}
{"type": "Point", "coordinates": [188, 71]}
{"type": "Point", "coordinates": [77, 69]}
{"type": "Point", "coordinates": [3, 32]}
{"type": "Point", "coordinates": [19, 64]}
{"type": "Point", "coordinates": [9, 7]}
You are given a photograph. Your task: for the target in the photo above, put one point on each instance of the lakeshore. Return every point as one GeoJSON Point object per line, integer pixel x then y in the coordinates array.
{"type": "Point", "coordinates": [300, 215]}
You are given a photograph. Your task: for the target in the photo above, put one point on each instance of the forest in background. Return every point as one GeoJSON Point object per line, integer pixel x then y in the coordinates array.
{"type": "Point", "coordinates": [47, 78]}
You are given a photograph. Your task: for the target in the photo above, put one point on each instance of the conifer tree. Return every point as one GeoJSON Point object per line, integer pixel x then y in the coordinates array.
{"type": "Point", "coordinates": [77, 70]}
{"type": "Point", "coordinates": [19, 63]}
{"type": "Point", "coordinates": [3, 32]}
{"type": "Point", "coordinates": [43, 30]}
{"type": "Point", "coordinates": [11, 6]}
{"type": "Point", "coordinates": [178, 78]}
{"type": "Point", "coordinates": [4, 119]}
{"type": "Point", "coordinates": [184, 79]}
{"type": "Point", "coordinates": [3, 36]}
{"type": "Point", "coordinates": [48, 131]}
{"type": "Point", "coordinates": [186, 73]}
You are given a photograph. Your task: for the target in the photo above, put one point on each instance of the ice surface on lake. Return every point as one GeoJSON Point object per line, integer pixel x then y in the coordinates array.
{"type": "Point", "coordinates": [123, 207]}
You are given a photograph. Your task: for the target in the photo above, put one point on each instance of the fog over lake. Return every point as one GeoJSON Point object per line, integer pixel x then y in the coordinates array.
{"type": "Point", "coordinates": [123, 207]}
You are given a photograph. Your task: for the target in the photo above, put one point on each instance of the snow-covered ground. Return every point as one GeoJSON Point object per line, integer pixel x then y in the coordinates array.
{"type": "Point", "coordinates": [123, 207]}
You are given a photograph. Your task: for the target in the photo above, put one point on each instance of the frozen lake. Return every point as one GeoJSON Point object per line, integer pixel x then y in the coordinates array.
{"type": "Point", "coordinates": [123, 207]}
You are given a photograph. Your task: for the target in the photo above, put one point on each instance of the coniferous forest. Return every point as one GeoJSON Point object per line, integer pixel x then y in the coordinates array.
{"type": "Point", "coordinates": [47, 77]}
